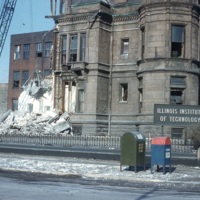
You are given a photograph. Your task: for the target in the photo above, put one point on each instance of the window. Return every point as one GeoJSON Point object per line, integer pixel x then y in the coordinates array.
{"type": "Point", "coordinates": [143, 42]}
{"type": "Point", "coordinates": [140, 101]}
{"type": "Point", "coordinates": [123, 92]}
{"type": "Point", "coordinates": [30, 107]}
{"type": "Point", "coordinates": [25, 76]}
{"type": "Point", "coordinates": [175, 80]}
{"type": "Point", "coordinates": [73, 48]}
{"type": "Point", "coordinates": [38, 49]}
{"type": "Point", "coordinates": [47, 72]}
{"type": "Point", "coordinates": [83, 47]}
{"type": "Point", "coordinates": [70, 96]}
{"type": "Point", "coordinates": [124, 46]}
{"type": "Point", "coordinates": [48, 49]}
{"type": "Point", "coordinates": [16, 79]}
{"type": "Point", "coordinates": [81, 97]}
{"type": "Point", "coordinates": [14, 104]}
{"type": "Point", "coordinates": [177, 133]}
{"type": "Point", "coordinates": [26, 53]}
{"type": "Point", "coordinates": [64, 49]}
{"type": "Point", "coordinates": [17, 52]}
{"type": "Point", "coordinates": [177, 89]}
{"type": "Point", "coordinates": [176, 96]}
{"type": "Point", "coordinates": [178, 42]}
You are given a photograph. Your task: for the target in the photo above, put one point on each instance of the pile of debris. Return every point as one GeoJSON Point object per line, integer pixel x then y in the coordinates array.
{"type": "Point", "coordinates": [35, 124]}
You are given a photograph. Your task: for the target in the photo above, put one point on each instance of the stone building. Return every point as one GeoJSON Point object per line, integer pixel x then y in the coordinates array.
{"type": "Point", "coordinates": [29, 52]}
{"type": "Point", "coordinates": [113, 60]}
{"type": "Point", "coordinates": [3, 97]}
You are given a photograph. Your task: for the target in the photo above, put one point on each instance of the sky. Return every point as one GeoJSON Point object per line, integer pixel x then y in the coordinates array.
{"type": "Point", "coordinates": [29, 16]}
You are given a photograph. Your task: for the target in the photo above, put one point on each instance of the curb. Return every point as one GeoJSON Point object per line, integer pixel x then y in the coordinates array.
{"type": "Point", "coordinates": [100, 154]}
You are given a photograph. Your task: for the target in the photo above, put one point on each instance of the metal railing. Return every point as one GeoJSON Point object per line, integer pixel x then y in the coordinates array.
{"type": "Point", "coordinates": [83, 141]}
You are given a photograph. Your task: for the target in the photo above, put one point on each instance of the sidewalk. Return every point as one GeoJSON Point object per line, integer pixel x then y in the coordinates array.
{"type": "Point", "coordinates": [99, 170]}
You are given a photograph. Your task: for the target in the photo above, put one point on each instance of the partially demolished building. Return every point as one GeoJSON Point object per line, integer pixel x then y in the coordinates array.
{"type": "Point", "coordinates": [113, 60]}
{"type": "Point", "coordinates": [29, 52]}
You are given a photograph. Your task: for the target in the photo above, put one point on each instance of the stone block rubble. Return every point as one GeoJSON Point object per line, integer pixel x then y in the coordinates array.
{"type": "Point", "coordinates": [35, 124]}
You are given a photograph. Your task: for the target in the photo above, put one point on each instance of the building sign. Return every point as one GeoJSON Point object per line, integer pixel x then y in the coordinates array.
{"type": "Point", "coordinates": [176, 115]}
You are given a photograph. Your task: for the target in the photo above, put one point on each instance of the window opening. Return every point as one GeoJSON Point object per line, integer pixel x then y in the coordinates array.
{"type": "Point", "coordinates": [16, 79]}
{"type": "Point", "coordinates": [177, 89]}
{"type": "Point", "coordinates": [178, 42]}
{"type": "Point", "coordinates": [14, 104]}
{"type": "Point", "coordinates": [143, 42]}
{"type": "Point", "coordinates": [83, 47]}
{"type": "Point", "coordinates": [176, 96]}
{"type": "Point", "coordinates": [81, 97]}
{"type": "Point", "coordinates": [175, 80]}
{"type": "Point", "coordinates": [123, 92]}
{"type": "Point", "coordinates": [140, 101]}
{"type": "Point", "coordinates": [17, 52]}
{"type": "Point", "coordinates": [47, 72]}
{"type": "Point", "coordinates": [48, 49]}
{"type": "Point", "coordinates": [26, 54]}
{"type": "Point", "coordinates": [177, 133]}
{"type": "Point", "coordinates": [25, 76]}
{"type": "Point", "coordinates": [70, 96]}
{"type": "Point", "coordinates": [39, 49]}
{"type": "Point", "coordinates": [124, 46]}
{"type": "Point", "coordinates": [30, 107]}
{"type": "Point", "coordinates": [73, 48]}
{"type": "Point", "coordinates": [64, 49]}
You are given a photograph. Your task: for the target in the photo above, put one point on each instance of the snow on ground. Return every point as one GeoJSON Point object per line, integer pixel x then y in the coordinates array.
{"type": "Point", "coordinates": [95, 169]}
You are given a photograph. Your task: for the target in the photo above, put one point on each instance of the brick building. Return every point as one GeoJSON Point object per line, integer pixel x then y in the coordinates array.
{"type": "Point", "coordinates": [28, 52]}
{"type": "Point", "coordinates": [113, 60]}
{"type": "Point", "coordinates": [3, 97]}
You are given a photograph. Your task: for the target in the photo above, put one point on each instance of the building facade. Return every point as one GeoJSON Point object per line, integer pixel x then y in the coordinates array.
{"type": "Point", "coordinates": [3, 97]}
{"type": "Point", "coordinates": [29, 52]}
{"type": "Point", "coordinates": [113, 60]}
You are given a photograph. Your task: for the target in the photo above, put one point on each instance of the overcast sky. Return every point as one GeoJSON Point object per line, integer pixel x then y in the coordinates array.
{"type": "Point", "coordinates": [29, 16]}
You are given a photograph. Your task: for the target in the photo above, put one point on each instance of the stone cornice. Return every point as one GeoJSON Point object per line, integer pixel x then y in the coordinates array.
{"type": "Point", "coordinates": [119, 18]}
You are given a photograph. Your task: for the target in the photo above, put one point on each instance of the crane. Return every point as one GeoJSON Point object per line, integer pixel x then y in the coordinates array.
{"type": "Point", "coordinates": [5, 20]}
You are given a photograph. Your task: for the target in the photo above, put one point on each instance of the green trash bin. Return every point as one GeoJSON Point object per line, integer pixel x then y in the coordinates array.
{"type": "Point", "coordinates": [133, 150]}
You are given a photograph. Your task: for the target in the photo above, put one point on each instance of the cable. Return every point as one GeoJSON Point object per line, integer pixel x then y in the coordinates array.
{"type": "Point", "coordinates": [31, 15]}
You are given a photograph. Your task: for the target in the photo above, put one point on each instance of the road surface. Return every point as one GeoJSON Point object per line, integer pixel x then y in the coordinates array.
{"type": "Point", "coordinates": [23, 187]}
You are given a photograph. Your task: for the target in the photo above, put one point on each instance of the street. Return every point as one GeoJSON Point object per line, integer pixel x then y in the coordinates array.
{"type": "Point", "coordinates": [24, 189]}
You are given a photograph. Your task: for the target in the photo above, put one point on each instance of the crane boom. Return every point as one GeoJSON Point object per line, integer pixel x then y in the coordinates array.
{"type": "Point", "coordinates": [5, 20]}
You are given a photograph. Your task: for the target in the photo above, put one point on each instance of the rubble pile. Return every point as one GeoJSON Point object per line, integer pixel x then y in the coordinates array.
{"type": "Point", "coordinates": [35, 124]}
